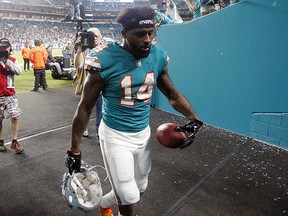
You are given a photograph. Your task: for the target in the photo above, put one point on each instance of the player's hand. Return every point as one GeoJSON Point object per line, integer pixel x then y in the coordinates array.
{"type": "Point", "coordinates": [73, 162]}
{"type": "Point", "coordinates": [191, 129]}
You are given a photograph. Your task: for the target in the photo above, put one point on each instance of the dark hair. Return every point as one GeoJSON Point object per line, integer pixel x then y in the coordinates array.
{"type": "Point", "coordinates": [49, 47]}
{"type": "Point", "coordinates": [37, 42]}
{"type": "Point", "coordinates": [129, 16]}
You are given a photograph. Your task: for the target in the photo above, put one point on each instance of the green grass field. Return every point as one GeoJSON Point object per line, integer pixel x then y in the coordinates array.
{"type": "Point", "coordinates": [25, 81]}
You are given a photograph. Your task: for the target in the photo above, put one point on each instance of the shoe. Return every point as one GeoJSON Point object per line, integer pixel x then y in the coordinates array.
{"type": "Point", "coordinates": [16, 146]}
{"type": "Point", "coordinates": [105, 211]}
{"type": "Point", "coordinates": [2, 146]}
{"type": "Point", "coordinates": [35, 90]}
{"type": "Point", "coordinates": [86, 133]}
{"type": "Point", "coordinates": [45, 89]}
{"type": "Point", "coordinates": [78, 18]}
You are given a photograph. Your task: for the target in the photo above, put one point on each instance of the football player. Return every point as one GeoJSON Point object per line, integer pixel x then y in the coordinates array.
{"type": "Point", "coordinates": [126, 74]}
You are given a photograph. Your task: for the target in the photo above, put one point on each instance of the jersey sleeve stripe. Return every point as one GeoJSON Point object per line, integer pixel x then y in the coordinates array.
{"type": "Point", "coordinates": [92, 62]}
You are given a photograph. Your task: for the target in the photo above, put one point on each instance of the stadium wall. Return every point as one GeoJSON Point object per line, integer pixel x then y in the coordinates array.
{"type": "Point", "coordinates": [232, 66]}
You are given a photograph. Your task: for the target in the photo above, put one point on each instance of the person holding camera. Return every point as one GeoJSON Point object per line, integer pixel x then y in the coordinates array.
{"type": "Point", "coordinates": [85, 41]}
{"type": "Point", "coordinates": [8, 100]}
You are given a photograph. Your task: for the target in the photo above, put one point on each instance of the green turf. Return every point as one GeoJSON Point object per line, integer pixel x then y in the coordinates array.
{"type": "Point", "coordinates": [25, 81]}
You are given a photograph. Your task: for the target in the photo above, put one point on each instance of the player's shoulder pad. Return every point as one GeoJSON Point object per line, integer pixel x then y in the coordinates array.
{"type": "Point", "coordinates": [100, 48]}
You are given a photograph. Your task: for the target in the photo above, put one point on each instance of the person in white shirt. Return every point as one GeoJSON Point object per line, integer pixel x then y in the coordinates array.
{"type": "Point", "coordinates": [172, 11]}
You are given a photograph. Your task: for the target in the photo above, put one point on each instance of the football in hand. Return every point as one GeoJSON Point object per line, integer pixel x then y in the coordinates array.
{"type": "Point", "coordinates": [167, 135]}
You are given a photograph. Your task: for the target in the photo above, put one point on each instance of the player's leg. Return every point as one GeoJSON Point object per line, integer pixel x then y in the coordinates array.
{"type": "Point", "coordinates": [119, 163]}
{"type": "Point", "coordinates": [142, 167]}
{"type": "Point", "coordinates": [117, 150]}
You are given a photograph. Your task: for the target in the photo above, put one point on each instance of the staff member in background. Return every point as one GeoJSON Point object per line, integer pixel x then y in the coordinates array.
{"type": "Point", "coordinates": [25, 54]}
{"type": "Point", "coordinates": [38, 57]}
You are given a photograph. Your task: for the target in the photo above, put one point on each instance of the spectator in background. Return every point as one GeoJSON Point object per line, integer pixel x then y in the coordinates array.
{"type": "Point", "coordinates": [194, 7]}
{"type": "Point", "coordinates": [75, 5]}
{"type": "Point", "coordinates": [208, 6]}
{"type": "Point", "coordinates": [172, 11]}
{"type": "Point", "coordinates": [161, 19]}
{"type": "Point", "coordinates": [25, 54]}
{"type": "Point", "coordinates": [51, 61]}
{"type": "Point", "coordinates": [8, 99]}
{"type": "Point", "coordinates": [234, 1]}
{"type": "Point", "coordinates": [38, 57]}
{"type": "Point", "coordinates": [69, 49]}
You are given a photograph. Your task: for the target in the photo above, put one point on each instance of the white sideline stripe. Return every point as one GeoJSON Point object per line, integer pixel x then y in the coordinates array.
{"type": "Point", "coordinates": [42, 133]}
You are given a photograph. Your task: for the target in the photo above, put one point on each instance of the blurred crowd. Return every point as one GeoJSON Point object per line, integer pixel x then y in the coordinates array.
{"type": "Point", "coordinates": [56, 34]}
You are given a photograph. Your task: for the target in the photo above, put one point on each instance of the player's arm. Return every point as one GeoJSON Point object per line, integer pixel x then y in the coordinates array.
{"type": "Point", "coordinates": [175, 98]}
{"type": "Point", "coordinates": [93, 85]}
{"type": "Point", "coordinates": [180, 103]}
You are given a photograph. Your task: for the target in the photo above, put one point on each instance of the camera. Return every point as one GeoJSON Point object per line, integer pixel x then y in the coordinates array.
{"type": "Point", "coordinates": [87, 40]}
{"type": "Point", "coordinates": [3, 53]}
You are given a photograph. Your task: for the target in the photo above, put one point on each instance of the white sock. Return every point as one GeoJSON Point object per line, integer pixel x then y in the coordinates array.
{"type": "Point", "coordinates": [108, 200]}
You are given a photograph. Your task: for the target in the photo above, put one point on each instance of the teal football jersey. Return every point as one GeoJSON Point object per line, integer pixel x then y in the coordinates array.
{"type": "Point", "coordinates": [128, 84]}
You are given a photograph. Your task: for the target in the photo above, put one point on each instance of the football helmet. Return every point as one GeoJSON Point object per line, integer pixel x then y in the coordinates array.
{"type": "Point", "coordinates": [82, 190]}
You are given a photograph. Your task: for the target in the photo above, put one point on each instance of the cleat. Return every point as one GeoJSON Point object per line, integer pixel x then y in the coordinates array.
{"type": "Point", "coordinates": [86, 133]}
{"type": "Point", "coordinates": [16, 146]}
{"type": "Point", "coordinates": [105, 211]}
{"type": "Point", "coordinates": [2, 146]}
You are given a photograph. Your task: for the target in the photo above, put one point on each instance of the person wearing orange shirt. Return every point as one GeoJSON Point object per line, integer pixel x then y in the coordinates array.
{"type": "Point", "coordinates": [38, 57]}
{"type": "Point", "coordinates": [25, 54]}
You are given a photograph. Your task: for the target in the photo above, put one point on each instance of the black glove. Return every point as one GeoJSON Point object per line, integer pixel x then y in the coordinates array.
{"type": "Point", "coordinates": [191, 129]}
{"type": "Point", "coordinates": [73, 162]}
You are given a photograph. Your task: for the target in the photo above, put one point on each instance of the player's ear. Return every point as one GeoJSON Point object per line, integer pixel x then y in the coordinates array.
{"type": "Point", "coordinates": [123, 33]}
